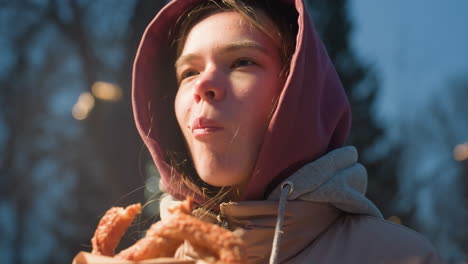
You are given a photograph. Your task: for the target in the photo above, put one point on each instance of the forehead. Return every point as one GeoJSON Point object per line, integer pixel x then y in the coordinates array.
{"type": "Point", "coordinates": [224, 28]}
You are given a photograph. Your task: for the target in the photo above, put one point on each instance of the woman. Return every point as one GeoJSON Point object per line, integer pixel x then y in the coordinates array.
{"type": "Point", "coordinates": [242, 109]}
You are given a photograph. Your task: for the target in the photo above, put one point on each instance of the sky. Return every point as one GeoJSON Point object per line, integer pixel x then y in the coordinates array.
{"type": "Point", "coordinates": [417, 46]}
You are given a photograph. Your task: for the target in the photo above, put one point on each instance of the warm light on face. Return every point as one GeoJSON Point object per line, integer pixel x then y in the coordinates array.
{"type": "Point", "coordinates": [460, 152]}
{"type": "Point", "coordinates": [229, 79]}
{"type": "Point", "coordinates": [106, 91]}
{"type": "Point", "coordinates": [83, 106]}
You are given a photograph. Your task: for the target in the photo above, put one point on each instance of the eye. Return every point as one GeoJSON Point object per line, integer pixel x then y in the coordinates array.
{"type": "Point", "coordinates": [243, 63]}
{"type": "Point", "coordinates": [187, 74]}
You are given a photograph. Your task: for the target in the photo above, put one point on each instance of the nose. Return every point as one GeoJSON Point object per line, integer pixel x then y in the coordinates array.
{"type": "Point", "coordinates": [209, 86]}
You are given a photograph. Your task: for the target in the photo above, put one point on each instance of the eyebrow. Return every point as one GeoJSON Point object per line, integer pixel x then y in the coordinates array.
{"type": "Point", "coordinates": [231, 47]}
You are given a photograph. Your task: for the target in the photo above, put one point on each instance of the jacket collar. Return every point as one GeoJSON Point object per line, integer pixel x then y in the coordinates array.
{"type": "Point", "coordinates": [323, 190]}
{"type": "Point", "coordinates": [304, 221]}
{"type": "Point", "coordinates": [255, 221]}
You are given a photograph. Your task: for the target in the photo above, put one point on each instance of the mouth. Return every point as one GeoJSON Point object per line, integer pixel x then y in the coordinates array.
{"type": "Point", "coordinates": [201, 127]}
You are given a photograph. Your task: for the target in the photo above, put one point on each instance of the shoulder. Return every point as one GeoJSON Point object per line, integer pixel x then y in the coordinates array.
{"type": "Point", "coordinates": [369, 227]}
{"type": "Point", "coordinates": [390, 240]}
{"type": "Point", "coordinates": [367, 239]}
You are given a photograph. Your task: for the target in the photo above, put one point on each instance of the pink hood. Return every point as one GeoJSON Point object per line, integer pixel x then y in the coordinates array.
{"type": "Point", "coordinates": [312, 117]}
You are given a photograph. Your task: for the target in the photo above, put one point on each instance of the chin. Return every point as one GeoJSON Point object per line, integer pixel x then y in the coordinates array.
{"type": "Point", "coordinates": [219, 178]}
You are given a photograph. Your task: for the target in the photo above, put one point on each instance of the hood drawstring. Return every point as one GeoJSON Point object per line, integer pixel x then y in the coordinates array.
{"type": "Point", "coordinates": [286, 189]}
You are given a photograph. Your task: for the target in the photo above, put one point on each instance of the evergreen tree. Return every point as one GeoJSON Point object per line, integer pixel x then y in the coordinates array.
{"type": "Point", "coordinates": [361, 84]}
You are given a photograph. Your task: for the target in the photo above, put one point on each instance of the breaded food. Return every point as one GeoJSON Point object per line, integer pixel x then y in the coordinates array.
{"type": "Point", "coordinates": [151, 246]}
{"type": "Point", "coordinates": [111, 228]}
{"type": "Point", "coordinates": [162, 239]}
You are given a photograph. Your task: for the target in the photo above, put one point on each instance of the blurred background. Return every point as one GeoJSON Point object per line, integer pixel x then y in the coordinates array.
{"type": "Point", "coordinates": [69, 149]}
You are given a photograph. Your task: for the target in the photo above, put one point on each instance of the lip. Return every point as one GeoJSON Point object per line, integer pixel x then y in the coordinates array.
{"type": "Point", "coordinates": [202, 126]}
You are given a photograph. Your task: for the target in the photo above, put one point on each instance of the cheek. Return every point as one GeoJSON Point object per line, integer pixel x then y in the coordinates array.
{"type": "Point", "coordinates": [181, 109]}
{"type": "Point", "coordinates": [264, 95]}
{"type": "Point", "coordinates": [266, 103]}
{"type": "Point", "coordinates": [257, 109]}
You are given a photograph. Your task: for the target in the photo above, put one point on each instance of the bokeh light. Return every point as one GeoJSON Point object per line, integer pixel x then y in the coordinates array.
{"type": "Point", "coordinates": [460, 152]}
{"type": "Point", "coordinates": [106, 91]}
{"type": "Point", "coordinates": [83, 106]}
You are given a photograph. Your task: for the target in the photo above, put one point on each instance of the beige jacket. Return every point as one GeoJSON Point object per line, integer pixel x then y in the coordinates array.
{"type": "Point", "coordinates": [327, 219]}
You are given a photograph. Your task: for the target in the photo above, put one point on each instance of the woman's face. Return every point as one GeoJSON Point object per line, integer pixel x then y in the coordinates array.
{"type": "Point", "coordinates": [229, 80]}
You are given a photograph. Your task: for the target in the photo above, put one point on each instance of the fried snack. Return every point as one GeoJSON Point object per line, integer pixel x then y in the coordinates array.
{"type": "Point", "coordinates": [111, 228]}
{"type": "Point", "coordinates": [151, 246]}
{"type": "Point", "coordinates": [217, 245]}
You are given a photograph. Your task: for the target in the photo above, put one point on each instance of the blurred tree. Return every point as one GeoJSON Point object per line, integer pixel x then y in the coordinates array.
{"type": "Point", "coordinates": [106, 35]}
{"type": "Point", "coordinates": [361, 84]}
{"type": "Point", "coordinates": [433, 195]}
{"type": "Point", "coordinates": [26, 150]}
{"type": "Point", "coordinates": [57, 174]}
